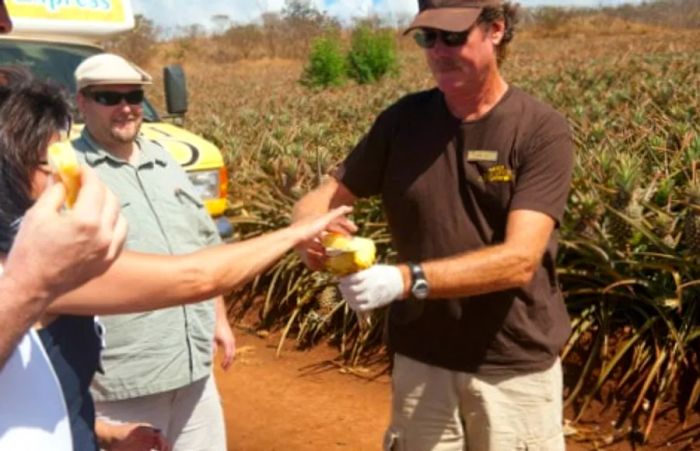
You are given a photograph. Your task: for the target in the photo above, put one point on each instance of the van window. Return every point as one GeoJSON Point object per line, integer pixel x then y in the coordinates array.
{"type": "Point", "coordinates": [55, 62]}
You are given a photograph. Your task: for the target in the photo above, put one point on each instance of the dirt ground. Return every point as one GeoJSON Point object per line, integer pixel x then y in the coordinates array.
{"type": "Point", "coordinates": [301, 401]}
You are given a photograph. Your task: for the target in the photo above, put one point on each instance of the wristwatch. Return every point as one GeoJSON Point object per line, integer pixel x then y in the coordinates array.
{"type": "Point", "coordinates": [419, 284]}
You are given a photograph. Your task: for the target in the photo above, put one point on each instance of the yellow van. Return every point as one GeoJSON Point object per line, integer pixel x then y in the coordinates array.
{"type": "Point", "coordinates": [52, 37]}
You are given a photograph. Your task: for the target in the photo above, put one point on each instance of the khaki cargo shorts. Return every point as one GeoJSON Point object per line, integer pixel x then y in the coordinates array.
{"type": "Point", "coordinates": [442, 410]}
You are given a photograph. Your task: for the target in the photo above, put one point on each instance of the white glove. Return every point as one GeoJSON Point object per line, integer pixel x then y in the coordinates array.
{"type": "Point", "coordinates": [372, 288]}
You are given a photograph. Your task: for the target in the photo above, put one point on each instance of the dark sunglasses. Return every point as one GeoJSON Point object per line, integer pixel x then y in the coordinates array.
{"type": "Point", "coordinates": [111, 98]}
{"type": "Point", "coordinates": [427, 37]}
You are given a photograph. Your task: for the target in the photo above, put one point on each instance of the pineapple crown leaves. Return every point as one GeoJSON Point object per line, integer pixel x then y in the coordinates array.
{"type": "Point", "coordinates": [586, 201]}
{"type": "Point", "coordinates": [691, 154]}
{"type": "Point", "coordinates": [662, 195]}
{"type": "Point", "coordinates": [629, 171]}
{"type": "Point", "coordinates": [605, 161]}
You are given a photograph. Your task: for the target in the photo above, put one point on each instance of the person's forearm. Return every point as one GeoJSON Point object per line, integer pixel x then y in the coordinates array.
{"type": "Point", "coordinates": [229, 267]}
{"type": "Point", "coordinates": [313, 203]}
{"type": "Point", "coordinates": [19, 309]}
{"type": "Point", "coordinates": [141, 282]}
{"type": "Point", "coordinates": [499, 267]}
{"type": "Point", "coordinates": [330, 194]}
{"type": "Point", "coordinates": [495, 268]}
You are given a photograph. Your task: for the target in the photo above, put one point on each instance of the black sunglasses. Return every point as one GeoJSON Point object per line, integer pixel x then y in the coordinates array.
{"type": "Point", "coordinates": [111, 98]}
{"type": "Point", "coordinates": [427, 37]}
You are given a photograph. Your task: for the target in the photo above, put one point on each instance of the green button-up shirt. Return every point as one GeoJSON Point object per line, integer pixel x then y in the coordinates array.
{"type": "Point", "coordinates": [168, 348]}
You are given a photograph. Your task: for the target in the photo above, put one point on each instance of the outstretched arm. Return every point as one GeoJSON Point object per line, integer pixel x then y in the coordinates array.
{"type": "Point", "coordinates": [140, 282]}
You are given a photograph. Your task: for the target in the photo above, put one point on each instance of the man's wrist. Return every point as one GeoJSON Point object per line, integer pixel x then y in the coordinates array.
{"type": "Point", "coordinates": [24, 288]}
{"type": "Point", "coordinates": [406, 276]}
{"type": "Point", "coordinates": [419, 283]}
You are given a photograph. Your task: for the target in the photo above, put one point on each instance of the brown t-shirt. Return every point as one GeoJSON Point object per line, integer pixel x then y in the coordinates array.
{"type": "Point", "coordinates": [447, 186]}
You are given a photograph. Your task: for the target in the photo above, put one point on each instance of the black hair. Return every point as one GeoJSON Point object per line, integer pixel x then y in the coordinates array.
{"type": "Point", "coordinates": [31, 112]}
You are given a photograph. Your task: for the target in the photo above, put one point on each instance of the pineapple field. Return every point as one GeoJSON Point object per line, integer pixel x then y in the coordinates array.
{"type": "Point", "coordinates": [629, 260]}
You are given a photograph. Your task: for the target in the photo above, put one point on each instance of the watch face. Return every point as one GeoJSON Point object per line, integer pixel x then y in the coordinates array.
{"type": "Point", "coordinates": [420, 289]}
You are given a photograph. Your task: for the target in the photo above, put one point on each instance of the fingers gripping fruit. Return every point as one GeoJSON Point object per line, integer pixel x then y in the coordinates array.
{"type": "Point", "coordinates": [348, 254]}
{"type": "Point", "coordinates": [63, 160]}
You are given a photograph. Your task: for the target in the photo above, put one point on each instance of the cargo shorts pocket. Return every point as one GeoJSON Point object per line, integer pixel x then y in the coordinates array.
{"type": "Point", "coordinates": [394, 439]}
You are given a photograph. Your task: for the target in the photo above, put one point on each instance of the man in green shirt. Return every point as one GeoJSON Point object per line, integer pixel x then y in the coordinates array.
{"type": "Point", "coordinates": [158, 365]}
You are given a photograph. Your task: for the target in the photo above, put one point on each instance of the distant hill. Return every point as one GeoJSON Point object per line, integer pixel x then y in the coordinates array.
{"type": "Point", "coordinates": [665, 13]}
{"type": "Point", "coordinates": [671, 13]}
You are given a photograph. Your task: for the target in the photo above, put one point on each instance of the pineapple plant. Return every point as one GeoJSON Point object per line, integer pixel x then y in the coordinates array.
{"type": "Point", "coordinates": [663, 227]}
{"type": "Point", "coordinates": [691, 222]}
{"type": "Point", "coordinates": [625, 201]}
{"type": "Point", "coordinates": [588, 209]}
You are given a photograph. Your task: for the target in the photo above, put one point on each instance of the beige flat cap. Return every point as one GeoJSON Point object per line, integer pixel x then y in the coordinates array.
{"type": "Point", "coordinates": [109, 69]}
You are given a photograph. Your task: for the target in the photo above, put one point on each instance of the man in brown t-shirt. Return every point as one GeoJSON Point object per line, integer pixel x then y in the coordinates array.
{"type": "Point", "coordinates": [474, 176]}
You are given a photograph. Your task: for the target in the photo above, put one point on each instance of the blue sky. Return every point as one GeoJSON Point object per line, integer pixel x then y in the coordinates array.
{"type": "Point", "coordinates": [169, 13]}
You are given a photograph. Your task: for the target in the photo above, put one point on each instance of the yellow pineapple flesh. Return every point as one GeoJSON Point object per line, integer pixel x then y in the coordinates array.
{"type": "Point", "coordinates": [348, 254]}
{"type": "Point", "coordinates": [63, 160]}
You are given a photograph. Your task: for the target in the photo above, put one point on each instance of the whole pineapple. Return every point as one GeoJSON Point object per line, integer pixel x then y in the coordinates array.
{"type": "Point", "coordinates": [691, 222]}
{"type": "Point", "coordinates": [625, 201]}
{"type": "Point", "coordinates": [589, 210]}
{"type": "Point", "coordinates": [327, 300]}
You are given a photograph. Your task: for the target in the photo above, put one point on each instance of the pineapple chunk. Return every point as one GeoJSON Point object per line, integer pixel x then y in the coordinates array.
{"type": "Point", "coordinates": [347, 254]}
{"type": "Point", "coordinates": [63, 160]}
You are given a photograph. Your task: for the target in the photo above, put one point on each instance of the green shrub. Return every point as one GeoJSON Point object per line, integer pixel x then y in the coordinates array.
{"type": "Point", "coordinates": [326, 65]}
{"type": "Point", "coordinates": [372, 54]}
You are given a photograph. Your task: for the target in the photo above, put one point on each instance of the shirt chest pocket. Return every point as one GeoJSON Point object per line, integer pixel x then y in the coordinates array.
{"type": "Point", "coordinates": [491, 182]}
{"type": "Point", "coordinates": [188, 199]}
{"type": "Point", "coordinates": [186, 217]}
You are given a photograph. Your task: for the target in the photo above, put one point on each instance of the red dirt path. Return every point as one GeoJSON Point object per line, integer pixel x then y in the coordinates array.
{"type": "Point", "coordinates": [298, 402]}
{"type": "Point", "coordinates": [301, 402]}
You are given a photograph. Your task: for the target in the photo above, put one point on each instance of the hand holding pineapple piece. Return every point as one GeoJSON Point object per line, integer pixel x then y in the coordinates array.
{"type": "Point", "coordinates": [63, 160]}
{"type": "Point", "coordinates": [348, 254]}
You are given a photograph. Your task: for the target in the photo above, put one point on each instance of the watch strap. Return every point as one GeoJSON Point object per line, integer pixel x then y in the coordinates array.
{"type": "Point", "coordinates": [416, 272]}
{"type": "Point", "coordinates": [419, 284]}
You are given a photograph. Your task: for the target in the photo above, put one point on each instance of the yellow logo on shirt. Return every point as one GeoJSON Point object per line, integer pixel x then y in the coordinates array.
{"type": "Point", "coordinates": [499, 174]}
